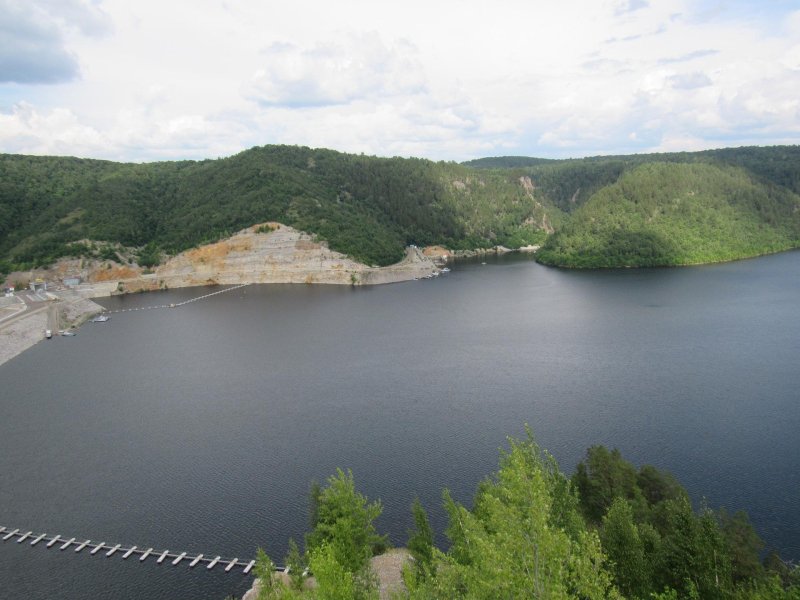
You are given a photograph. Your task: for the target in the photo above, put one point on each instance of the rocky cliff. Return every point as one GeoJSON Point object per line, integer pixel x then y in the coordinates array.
{"type": "Point", "coordinates": [266, 253]}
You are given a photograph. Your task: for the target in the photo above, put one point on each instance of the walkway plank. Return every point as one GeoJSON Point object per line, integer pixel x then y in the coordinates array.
{"type": "Point", "coordinates": [97, 548]}
{"type": "Point", "coordinates": [127, 551]}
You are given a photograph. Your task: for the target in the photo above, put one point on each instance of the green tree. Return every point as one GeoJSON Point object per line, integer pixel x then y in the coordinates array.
{"type": "Point", "coordinates": [294, 561]}
{"type": "Point", "coordinates": [334, 582]}
{"type": "Point", "coordinates": [511, 546]}
{"type": "Point", "coordinates": [693, 557]}
{"type": "Point", "coordinates": [420, 540]}
{"type": "Point", "coordinates": [345, 521]}
{"type": "Point", "coordinates": [744, 544]}
{"type": "Point", "coordinates": [149, 256]}
{"type": "Point", "coordinates": [603, 476]}
{"type": "Point", "coordinates": [270, 588]}
{"type": "Point", "coordinates": [776, 567]}
{"type": "Point", "coordinates": [624, 548]}
{"type": "Point", "coordinates": [657, 486]}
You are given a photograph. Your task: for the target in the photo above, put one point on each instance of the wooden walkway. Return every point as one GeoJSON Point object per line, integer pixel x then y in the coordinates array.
{"type": "Point", "coordinates": [176, 304]}
{"type": "Point", "coordinates": [175, 558]}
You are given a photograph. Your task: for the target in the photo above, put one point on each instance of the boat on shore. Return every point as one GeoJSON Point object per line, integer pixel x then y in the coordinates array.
{"type": "Point", "coordinates": [101, 319]}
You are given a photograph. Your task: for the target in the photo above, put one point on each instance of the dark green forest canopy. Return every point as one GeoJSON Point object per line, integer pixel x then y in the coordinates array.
{"type": "Point", "coordinates": [668, 213]}
{"type": "Point", "coordinates": [568, 183]}
{"type": "Point", "coordinates": [367, 207]}
{"type": "Point", "coordinates": [639, 210]}
{"type": "Point", "coordinates": [667, 209]}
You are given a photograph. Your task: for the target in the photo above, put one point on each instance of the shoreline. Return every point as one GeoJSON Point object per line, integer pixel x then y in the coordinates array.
{"type": "Point", "coordinates": [283, 256]}
{"type": "Point", "coordinates": [26, 328]}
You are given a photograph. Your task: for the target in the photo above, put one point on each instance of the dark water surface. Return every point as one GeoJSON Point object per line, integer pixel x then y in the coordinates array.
{"type": "Point", "coordinates": [200, 428]}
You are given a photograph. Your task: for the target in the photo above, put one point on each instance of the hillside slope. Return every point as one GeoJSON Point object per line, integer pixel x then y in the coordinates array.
{"type": "Point", "coordinates": [662, 213]}
{"type": "Point", "coordinates": [368, 208]}
{"type": "Point", "coordinates": [639, 210]}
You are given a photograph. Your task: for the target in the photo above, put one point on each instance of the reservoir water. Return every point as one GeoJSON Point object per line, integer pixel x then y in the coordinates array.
{"type": "Point", "coordinates": [200, 428]}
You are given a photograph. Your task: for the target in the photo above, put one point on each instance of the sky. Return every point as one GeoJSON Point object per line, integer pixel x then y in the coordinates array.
{"type": "Point", "coordinates": [150, 80]}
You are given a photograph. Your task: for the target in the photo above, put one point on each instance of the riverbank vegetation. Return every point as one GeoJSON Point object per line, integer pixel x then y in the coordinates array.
{"type": "Point", "coordinates": [641, 210]}
{"type": "Point", "coordinates": [609, 531]}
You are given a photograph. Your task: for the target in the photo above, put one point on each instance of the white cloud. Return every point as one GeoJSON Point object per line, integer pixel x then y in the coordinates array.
{"type": "Point", "coordinates": [451, 79]}
{"type": "Point", "coordinates": [622, 7]}
{"type": "Point", "coordinates": [689, 81]}
{"type": "Point", "coordinates": [27, 131]}
{"type": "Point", "coordinates": [137, 134]}
{"type": "Point", "coordinates": [350, 67]}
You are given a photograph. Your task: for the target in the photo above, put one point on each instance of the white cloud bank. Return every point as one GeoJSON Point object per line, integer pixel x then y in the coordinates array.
{"type": "Point", "coordinates": [445, 80]}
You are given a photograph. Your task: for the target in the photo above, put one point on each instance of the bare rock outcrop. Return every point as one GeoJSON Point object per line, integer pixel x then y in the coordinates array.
{"type": "Point", "coordinates": [265, 253]}
{"type": "Point", "coordinates": [273, 253]}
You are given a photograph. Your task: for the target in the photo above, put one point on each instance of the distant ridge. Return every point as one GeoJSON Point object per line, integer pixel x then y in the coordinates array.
{"type": "Point", "coordinates": [506, 162]}
{"type": "Point", "coordinates": [591, 212]}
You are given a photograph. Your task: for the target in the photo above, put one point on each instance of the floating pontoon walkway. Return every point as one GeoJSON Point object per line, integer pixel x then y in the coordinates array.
{"type": "Point", "coordinates": [177, 304]}
{"type": "Point", "coordinates": [175, 558]}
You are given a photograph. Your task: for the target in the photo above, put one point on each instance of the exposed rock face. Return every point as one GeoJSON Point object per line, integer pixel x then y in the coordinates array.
{"type": "Point", "coordinates": [266, 253]}
{"type": "Point", "coordinates": [527, 184]}
{"type": "Point", "coordinates": [279, 255]}
{"type": "Point", "coordinates": [438, 254]}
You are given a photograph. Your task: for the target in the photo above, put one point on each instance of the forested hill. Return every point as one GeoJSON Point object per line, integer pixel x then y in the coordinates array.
{"type": "Point", "coordinates": [640, 210]}
{"type": "Point", "coordinates": [367, 207]}
{"type": "Point", "coordinates": [667, 209]}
